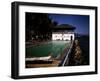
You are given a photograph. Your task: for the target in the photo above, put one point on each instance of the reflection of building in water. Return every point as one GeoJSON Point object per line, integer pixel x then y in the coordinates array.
{"type": "Point", "coordinates": [63, 32]}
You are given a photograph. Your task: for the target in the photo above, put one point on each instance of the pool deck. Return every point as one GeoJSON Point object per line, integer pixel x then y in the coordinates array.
{"type": "Point", "coordinates": [53, 64]}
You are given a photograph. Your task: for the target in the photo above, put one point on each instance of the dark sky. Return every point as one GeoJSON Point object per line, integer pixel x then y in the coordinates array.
{"type": "Point", "coordinates": [81, 22]}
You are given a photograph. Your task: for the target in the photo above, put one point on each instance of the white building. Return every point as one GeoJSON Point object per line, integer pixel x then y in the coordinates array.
{"type": "Point", "coordinates": [63, 32]}
{"type": "Point", "coordinates": [62, 36]}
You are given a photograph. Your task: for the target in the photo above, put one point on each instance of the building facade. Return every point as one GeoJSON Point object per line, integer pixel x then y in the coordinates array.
{"type": "Point", "coordinates": [63, 32]}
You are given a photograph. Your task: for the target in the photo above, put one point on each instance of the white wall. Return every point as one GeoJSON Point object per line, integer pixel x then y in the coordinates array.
{"type": "Point", "coordinates": [65, 36]}
{"type": "Point", "coordinates": [68, 36]}
{"type": "Point", "coordinates": [5, 40]}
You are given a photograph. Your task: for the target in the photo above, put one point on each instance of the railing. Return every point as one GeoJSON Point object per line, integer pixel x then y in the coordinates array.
{"type": "Point", "coordinates": [66, 57]}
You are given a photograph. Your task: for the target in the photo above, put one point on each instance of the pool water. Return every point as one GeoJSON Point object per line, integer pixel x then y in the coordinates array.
{"type": "Point", "coordinates": [50, 48]}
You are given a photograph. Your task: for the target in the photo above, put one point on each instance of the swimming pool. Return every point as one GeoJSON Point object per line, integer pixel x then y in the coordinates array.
{"type": "Point", "coordinates": [53, 48]}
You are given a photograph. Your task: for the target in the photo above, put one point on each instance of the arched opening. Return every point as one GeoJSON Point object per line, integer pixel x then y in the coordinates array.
{"type": "Point", "coordinates": [71, 38]}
